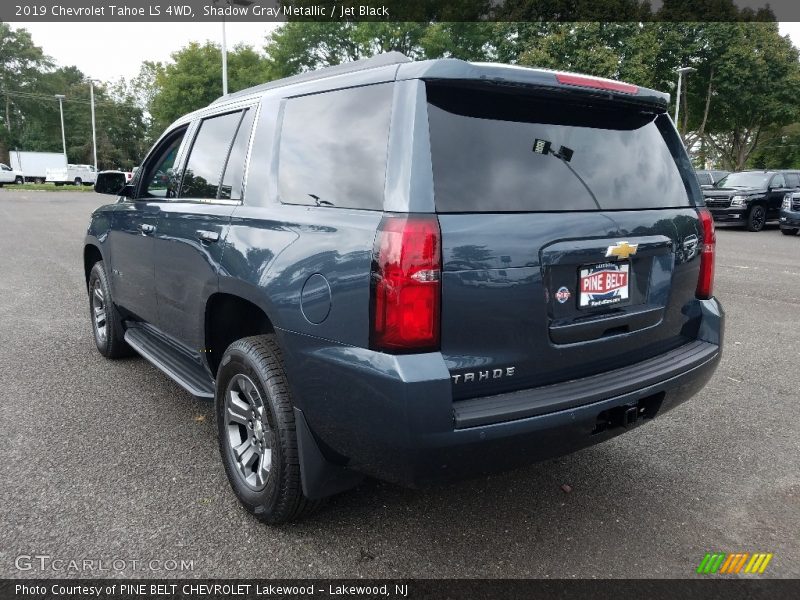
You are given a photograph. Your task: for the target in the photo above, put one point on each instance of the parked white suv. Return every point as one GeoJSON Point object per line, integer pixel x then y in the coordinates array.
{"type": "Point", "coordinates": [9, 175]}
{"type": "Point", "coordinates": [73, 175]}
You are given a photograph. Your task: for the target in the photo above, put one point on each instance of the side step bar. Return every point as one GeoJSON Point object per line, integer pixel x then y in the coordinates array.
{"type": "Point", "coordinates": [171, 360]}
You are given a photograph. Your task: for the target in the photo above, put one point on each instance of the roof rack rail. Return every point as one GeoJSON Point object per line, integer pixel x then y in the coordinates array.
{"type": "Point", "coordinates": [379, 60]}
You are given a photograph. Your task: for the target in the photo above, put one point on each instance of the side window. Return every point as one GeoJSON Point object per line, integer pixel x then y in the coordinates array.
{"type": "Point", "coordinates": [161, 181]}
{"type": "Point", "coordinates": [792, 180]}
{"type": "Point", "coordinates": [231, 188]}
{"type": "Point", "coordinates": [777, 181]}
{"type": "Point", "coordinates": [203, 174]}
{"type": "Point", "coordinates": [333, 148]}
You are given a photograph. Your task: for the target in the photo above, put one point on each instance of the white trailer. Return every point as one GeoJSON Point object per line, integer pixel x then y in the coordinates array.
{"type": "Point", "coordinates": [34, 165]}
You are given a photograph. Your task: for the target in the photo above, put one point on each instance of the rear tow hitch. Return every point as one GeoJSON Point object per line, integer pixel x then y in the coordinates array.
{"type": "Point", "coordinates": [628, 415]}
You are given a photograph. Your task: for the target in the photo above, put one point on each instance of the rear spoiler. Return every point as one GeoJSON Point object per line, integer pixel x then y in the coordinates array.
{"type": "Point", "coordinates": [543, 79]}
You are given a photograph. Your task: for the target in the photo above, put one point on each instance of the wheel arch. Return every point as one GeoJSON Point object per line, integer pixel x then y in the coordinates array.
{"type": "Point", "coordinates": [230, 317]}
{"type": "Point", "coordinates": [91, 256]}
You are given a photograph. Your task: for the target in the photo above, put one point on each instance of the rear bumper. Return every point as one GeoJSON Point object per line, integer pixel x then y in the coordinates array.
{"type": "Point", "coordinates": [393, 417]}
{"type": "Point", "coordinates": [789, 219]}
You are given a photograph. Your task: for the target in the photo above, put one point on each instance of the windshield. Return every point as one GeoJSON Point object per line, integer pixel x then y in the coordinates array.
{"type": "Point", "coordinates": [496, 151]}
{"type": "Point", "coordinates": [744, 180]}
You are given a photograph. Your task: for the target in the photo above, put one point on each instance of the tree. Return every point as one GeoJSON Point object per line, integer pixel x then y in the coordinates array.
{"type": "Point", "coordinates": [20, 62]}
{"type": "Point", "coordinates": [744, 84]}
{"type": "Point", "coordinates": [194, 79]}
{"type": "Point", "coordinates": [755, 91]}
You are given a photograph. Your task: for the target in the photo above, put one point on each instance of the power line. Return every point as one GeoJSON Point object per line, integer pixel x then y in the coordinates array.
{"type": "Point", "coordinates": [45, 97]}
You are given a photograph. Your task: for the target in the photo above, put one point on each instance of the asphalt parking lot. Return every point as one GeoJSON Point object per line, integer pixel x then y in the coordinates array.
{"type": "Point", "coordinates": [110, 459]}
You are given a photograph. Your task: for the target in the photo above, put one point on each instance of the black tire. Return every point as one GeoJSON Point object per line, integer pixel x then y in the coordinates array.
{"type": "Point", "coordinates": [19, 181]}
{"type": "Point", "coordinates": [110, 342]}
{"type": "Point", "coordinates": [788, 231]}
{"type": "Point", "coordinates": [756, 218]}
{"type": "Point", "coordinates": [78, 181]}
{"type": "Point", "coordinates": [275, 494]}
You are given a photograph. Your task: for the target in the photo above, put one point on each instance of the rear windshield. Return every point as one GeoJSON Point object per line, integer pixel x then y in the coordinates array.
{"type": "Point", "coordinates": [506, 152]}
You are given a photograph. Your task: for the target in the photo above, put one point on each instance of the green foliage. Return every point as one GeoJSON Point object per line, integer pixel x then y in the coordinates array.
{"type": "Point", "coordinates": [737, 108]}
{"type": "Point", "coordinates": [194, 79]}
{"type": "Point", "coordinates": [30, 111]}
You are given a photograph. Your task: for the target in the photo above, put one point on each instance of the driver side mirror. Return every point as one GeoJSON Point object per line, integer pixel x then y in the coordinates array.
{"type": "Point", "coordinates": [112, 182]}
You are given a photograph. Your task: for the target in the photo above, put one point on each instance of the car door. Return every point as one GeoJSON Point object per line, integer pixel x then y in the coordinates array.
{"type": "Point", "coordinates": [775, 192]}
{"type": "Point", "coordinates": [130, 240]}
{"type": "Point", "coordinates": [193, 226]}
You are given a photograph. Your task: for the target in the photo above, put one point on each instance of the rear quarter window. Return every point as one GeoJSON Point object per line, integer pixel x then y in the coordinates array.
{"type": "Point", "coordinates": [209, 153]}
{"type": "Point", "coordinates": [333, 148]}
{"type": "Point", "coordinates": [705, 178]}
{"type": "Point", "coordinates": [615, 158]}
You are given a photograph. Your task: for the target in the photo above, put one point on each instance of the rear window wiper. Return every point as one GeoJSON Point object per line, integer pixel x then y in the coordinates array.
{"type": "Point", "coordinates": [320, 202]}
{"type": "Point", "coordinates": [564, 154]}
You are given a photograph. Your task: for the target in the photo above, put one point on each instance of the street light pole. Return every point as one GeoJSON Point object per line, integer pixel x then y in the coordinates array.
{"type": "Point", "coordinates": [230, 3]}
{"type": "Point", "coordinates": [63, 137]}
{"type": "Point", "coordinates": [224, 60]}
{"type": "Point", "coordinates": [680, 73]}
{"type": "Point", "coordinates": [94, 130]}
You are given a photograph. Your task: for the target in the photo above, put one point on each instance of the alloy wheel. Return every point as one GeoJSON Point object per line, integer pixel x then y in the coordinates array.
{"type": "Point", "coordinates": [249, 436]}
{"type": "Point", "coordinates": [99, 316]}
{"type": "Point", "coordinates": [757, 217]}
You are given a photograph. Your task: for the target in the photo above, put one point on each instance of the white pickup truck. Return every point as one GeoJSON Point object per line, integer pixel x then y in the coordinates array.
{"type": "Point", "coordinates": [72, 175]}
{"type": "Point", "coordinates": [9, 175]}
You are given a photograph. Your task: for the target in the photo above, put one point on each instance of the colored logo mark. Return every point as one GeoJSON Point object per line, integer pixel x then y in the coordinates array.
{"type": "Point", "coordinates": [734, 563]}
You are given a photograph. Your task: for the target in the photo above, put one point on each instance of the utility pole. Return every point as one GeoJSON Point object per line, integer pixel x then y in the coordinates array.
{"type": "Point", "coordinates": [230, 3]}
{"type": "Point", "coordinates": [94, 130]}
{"type": "Point", "coordinates": [63, 137]}
{"type": "Point", "coordinates": [680, 73]}
{"type": "Point", "coordinates": [224, 60]}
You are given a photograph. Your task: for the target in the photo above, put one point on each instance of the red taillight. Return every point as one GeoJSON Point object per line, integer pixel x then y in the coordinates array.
{"type": "Point", "coordinates": [705, 283]}
{"type": "Point", "coordinates": [406, 284]}
{"type": "Point", "coordinates": [597, 83]}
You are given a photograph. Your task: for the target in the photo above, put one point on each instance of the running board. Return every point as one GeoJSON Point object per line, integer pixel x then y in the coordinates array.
{"type": "Point", "coordinates": [171, 360]}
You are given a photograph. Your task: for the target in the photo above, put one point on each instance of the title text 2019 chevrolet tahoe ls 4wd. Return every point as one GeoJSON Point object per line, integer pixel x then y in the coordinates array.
{"type": "Point", "coordinates": [415, 271]}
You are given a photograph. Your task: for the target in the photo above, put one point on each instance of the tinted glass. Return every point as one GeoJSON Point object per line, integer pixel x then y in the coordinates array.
{"type": "Point", "coordinates": [333, 148]}
{"type": "Point", "coordinates": [792, 180]}
{"type": "Point", "coordinates": [744, 179]}
{"type": "Point", "coordinates": [231, 188]}
{"type": "Point", "coordinates": [208, 155]}
{"type": "Point", "coordinates": [483, 159]}
{"type": "Point", "coordinates": [778, 181]}
{"type": "Point", "coordinates": [704, 178]}
{"type": "Point", "coordinates": [162, 180]}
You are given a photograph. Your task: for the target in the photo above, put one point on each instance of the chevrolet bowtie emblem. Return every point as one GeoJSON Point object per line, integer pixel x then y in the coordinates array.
{"type": "Point", "coordinates": [621, 250]}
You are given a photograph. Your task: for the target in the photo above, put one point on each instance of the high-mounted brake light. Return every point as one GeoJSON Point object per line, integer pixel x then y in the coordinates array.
{"type": "Point", "coordinates": [406, 284]}
{"type": "Point", "coordinates": [594, 82]}
{"type": "Point", "coordinates": [705, 283]}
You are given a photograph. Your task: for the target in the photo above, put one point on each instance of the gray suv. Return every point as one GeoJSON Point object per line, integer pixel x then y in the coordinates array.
{"type": "Point", "coordinates": [415, 271]}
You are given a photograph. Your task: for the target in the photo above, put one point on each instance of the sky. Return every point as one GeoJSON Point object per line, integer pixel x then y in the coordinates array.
{"type": "Point", "coordinates": [108, 51]}
{"type": "Point", "coordinates": [116, 50]}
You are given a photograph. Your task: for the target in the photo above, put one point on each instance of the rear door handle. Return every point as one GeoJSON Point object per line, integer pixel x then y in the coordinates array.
{"type": "Point", "coordinates": [146, 229]}
{"type": "Point", "coordinates": [208, 237]}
